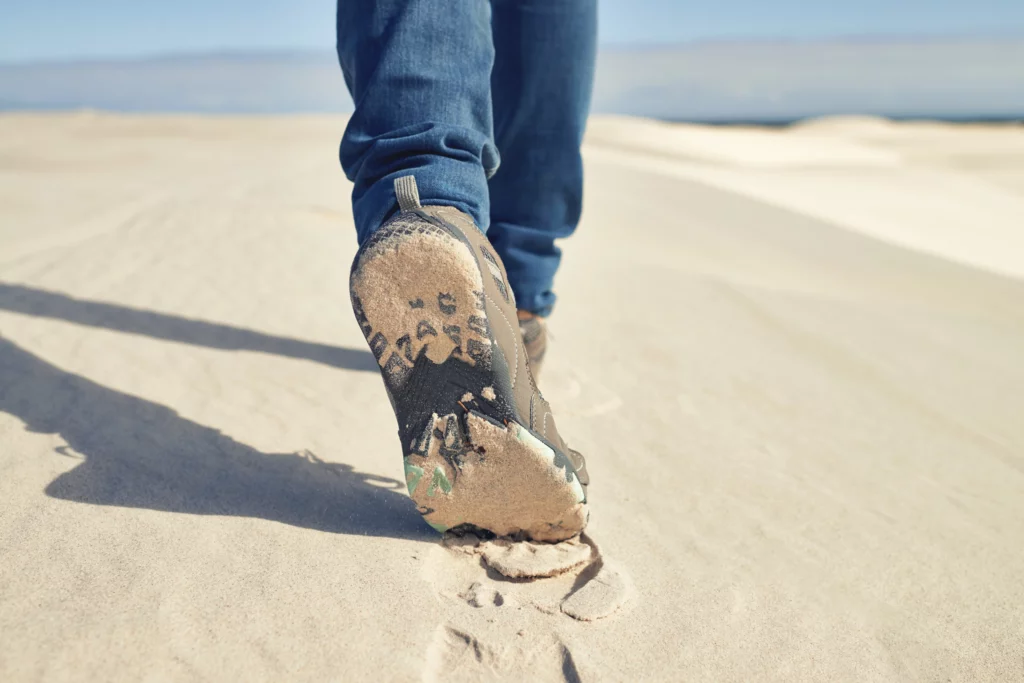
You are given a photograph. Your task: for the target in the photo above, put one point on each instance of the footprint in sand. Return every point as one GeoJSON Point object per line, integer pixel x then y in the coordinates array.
{"type": "Point", "coordinates": [525, 560]}
{"type": "Point", "coordinates": [571, 577]}
{"type": "Point", "coordinates": [600, 594]}
{"type": "Point", "coordinates": [494, 590]}
{"type": "Point", "coordinates": [479, 595]}
{"type": "Point", "coordinates": [456, 655]}
{"type": "Point", "coordinates": [598, 590]}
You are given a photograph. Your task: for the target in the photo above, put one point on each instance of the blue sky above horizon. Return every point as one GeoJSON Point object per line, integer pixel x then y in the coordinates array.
{"type": "Point", "coordinates": [73, 29]}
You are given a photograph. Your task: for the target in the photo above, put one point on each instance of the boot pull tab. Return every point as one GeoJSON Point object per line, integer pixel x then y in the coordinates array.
{"type": "Point", "coordinates": [407, 193]}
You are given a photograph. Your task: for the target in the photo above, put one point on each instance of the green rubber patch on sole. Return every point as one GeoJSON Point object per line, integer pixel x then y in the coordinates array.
{"type": "Point", "coordinates": [440, 481]}
{"type": "Point", "coordinates": [413, 474]}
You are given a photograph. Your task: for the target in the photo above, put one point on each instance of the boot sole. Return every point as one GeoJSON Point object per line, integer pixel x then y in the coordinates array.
{"type": "Point", "coordinates": [418, 295]}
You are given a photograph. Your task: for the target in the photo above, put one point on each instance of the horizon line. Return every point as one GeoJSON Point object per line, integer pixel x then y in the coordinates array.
{"type": "Point", "coordinates": [259, 52]}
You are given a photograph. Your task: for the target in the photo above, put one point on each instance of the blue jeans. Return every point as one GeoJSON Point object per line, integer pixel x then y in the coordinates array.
{"type": "Point", "coordinates": [448, 90]}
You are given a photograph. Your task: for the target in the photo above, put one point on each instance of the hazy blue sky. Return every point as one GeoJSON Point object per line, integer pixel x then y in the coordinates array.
{"type": "Point", "coordinates": [62, 29]}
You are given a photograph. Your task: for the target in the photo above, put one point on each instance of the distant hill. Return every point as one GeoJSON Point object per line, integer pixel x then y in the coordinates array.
{"type": "Point", "coordinates": [206, 83]}
{"type": "Point", "coordinates": [965, 78]}
{"type": "Point", "coordinates": [766, 81]}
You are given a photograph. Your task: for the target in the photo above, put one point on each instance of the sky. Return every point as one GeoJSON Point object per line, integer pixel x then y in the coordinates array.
{"type": "Point", "coordinates": [54, 30]}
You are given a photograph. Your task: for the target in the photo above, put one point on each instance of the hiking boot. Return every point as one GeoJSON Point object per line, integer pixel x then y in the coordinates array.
{"type": "Point", "coordinates": [480, 444]}
{"type": "Point", "coordinates": [535, 338]}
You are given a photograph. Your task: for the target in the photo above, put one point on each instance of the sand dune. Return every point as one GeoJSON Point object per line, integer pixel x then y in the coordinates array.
{"type": "Point", "coordinates": [795, 360]}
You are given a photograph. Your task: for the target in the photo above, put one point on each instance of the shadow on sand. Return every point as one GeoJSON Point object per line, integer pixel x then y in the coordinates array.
{"type": "Point", "coordinates": [43, 304]}
{"type": "Point", "coordinates": [141, 454]}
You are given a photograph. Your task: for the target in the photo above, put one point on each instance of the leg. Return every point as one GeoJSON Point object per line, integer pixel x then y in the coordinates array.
{"type": "Point", "coordinates": [431, 297]}
{"type": "Point", "coordinates": [418, 73]}
{"type": "Point", "coordinates": [541, 85]}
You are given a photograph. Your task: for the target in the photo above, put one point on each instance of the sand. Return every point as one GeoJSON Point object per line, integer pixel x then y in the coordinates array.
{"type": "Point", "coordinates": [794, 360]}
